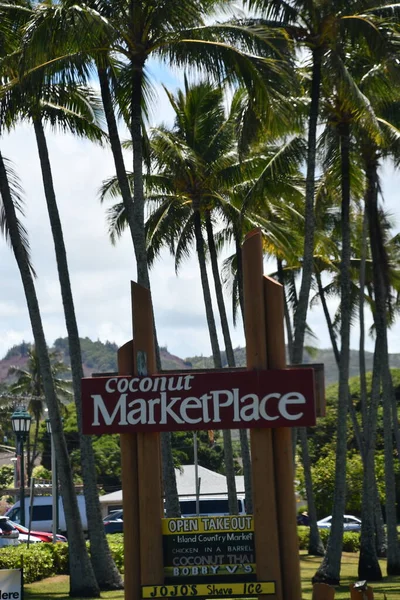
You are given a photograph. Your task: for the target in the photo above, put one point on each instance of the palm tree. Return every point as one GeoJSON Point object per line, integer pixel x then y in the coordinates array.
{"type": "Point", "coordinates": [40, 97]}
{"type": "Point", "coordinates": [348, 107]}
{"type": "Point", "coordinates": [29, 383]}
{"type": "Point", "coordinates": [82, 576]}
{"type": "Point", "coordinates": [82, 582]}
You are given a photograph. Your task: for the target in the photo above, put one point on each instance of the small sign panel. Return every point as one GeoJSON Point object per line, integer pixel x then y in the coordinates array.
{"type": "Point", "coordinates": [211, 590]}
{"type": "Point", "coordinates": [11, 584]}
{"type": "Point", "coordinates": [190, 401]}
{"type": "Point", "coordinates": [200, 548]}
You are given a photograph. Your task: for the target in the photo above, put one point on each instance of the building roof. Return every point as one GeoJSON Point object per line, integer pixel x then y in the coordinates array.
{"type": "Point", "coordinates": [210, 483]}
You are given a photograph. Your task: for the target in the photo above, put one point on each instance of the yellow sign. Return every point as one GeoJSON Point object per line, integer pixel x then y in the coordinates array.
{"type": "Point", "coordinates": [209, 590]}
{"type": "Point", "coordinates": [212, 570]}
{"type": "Point", "coordinates": [207, 524]}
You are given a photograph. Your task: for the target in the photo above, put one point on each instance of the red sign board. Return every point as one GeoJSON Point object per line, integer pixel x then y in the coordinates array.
{"type": "Point", "coordinates": [189, 401]}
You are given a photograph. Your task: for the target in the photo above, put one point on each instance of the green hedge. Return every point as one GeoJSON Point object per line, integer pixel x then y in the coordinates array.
{"type": "Point", "coordinates": [351, 539]}
{"type": "Point", "coordinates": [116, 543]}
{"type": "Point", "coordinates": [45, 560]}
{"type": "Point", "coordinates": [38, 561]}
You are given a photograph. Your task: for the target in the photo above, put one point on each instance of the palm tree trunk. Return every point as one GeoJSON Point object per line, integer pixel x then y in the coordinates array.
{"type": "Point", "coordinates": [172, 506]}
{"type": "Point", "coordinates": [336, 352]}
{"type": "Point", "coordinates": [116, 149]}
{"type": "Point", "coordinates": [228, 452]}
{"type": "Point", "coordinates": [315, 545]}
{"type": "Point", "coordinates": [212, 330]}
{"type": "Point", "coordinates": [104, 567]}
{"type": "Point", "coordinates": [309, 219]}
{"type": "Point", "coordinates": [300, 317]}
{"type": "Point", "coordinates": [170, 488]}
{"type": "Point", "coordinates": [372, 529]}
{"type": "Point", "coordinates": [329, 571]}
{"type": "Point", "coordinates": [363, 377]}
{"type": "Point", "coordinates": [244, 441]}
{"type": "Point", "coordinates": [138, 232]}
{"type": "Point", "coordinates": [368, 565]}
{"type": "Point", "coordinates": [82, 580]}
{"type": "Point", "coordinates": [381, 288]}
{"type": "Point", "coordinates": [288, 322]}
{"type": "Point", "coordinates": [393, 554]}
{"type": "Point", "coordinates": [239, 269]}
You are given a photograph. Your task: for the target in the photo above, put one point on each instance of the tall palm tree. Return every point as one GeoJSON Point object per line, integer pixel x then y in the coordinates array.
{"type": "Point", "coordinates": [82, 582]}
{"type": "Point", "coordinates": [29, 383]}
{"type": "Point", "coordinates": [348, 107]}
{"type": "Point", "coordinates": [82, 576]}
{"type": "Point", "coordinates": [40, 97]}
{"type": "Point", "coordinates": [316, 27]}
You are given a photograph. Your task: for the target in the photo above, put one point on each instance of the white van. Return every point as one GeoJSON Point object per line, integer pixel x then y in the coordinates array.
{"type": "Point", "coordinates": [42, 513]}
{"type": "Point", "coordinates": [210, 505]}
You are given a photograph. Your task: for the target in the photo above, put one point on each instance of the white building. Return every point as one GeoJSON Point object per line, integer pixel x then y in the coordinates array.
{"type": "Point", "coordinates": [210, 483]}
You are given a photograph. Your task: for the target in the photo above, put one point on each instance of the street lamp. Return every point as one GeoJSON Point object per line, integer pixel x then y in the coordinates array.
{"type": "Point", "coordinates": [21, 424]}
{"type": "Point", "coordinates": [54, 481]}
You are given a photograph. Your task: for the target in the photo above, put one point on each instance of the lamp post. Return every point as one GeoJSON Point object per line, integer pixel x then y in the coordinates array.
{"type": "Point", "coordinates": [54, 481]}
{"type": "Point", "coordinates": [21, 424]}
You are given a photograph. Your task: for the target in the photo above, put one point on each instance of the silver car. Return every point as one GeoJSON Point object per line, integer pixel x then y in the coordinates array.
{"type": "Point", "coordinates": [350, 523]}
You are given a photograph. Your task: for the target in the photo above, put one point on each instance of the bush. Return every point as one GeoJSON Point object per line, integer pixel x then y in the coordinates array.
{"type": "Point", "coordinates": [116, 543]}
{"type": "Point", "coordinates": [37, 561]}
{"type": "Point", "coordinates": [351, 539]}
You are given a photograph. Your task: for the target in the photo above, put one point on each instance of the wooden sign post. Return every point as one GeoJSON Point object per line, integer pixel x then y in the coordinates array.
{"type": "Point", "coordinates": [235, 556]}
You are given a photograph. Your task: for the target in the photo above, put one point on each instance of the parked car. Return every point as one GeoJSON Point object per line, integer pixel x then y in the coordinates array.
{"type": "Point", "coordinates": [42, 513]}
{"type": "Point", "coordinates": [9, 536]}
{"type": "Point", "coordinates": [40, 536]}
{"type": "Point", "coordinates": [350, 523]}
{"type": "Point", "coordinates": [114, 522]}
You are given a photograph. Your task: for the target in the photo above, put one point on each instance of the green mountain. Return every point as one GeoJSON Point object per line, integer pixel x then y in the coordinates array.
{"type": "Point", "coordinates": [99, 357]}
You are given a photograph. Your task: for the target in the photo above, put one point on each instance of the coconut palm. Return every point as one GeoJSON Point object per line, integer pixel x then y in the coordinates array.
{"type": "Point", "coordinates": [40, 97]}
{"type": "Point", "coordinates": [82, 580]}
{"type": "Point", "coordinates": [197, 173]}
{"type": "Point", "coordinates": [29, 383]}
{"type": "Point", "coordinates": [316, 28]}
{"type": "Point", "coordinates": [347, 108]}
{"type": "Point", "coordinates": [82, 576]}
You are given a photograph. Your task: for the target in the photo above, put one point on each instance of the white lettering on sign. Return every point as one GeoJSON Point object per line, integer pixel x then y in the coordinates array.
{"type": "Point", "coordinates": [192, 410]}
{"type": "Point", "coordinates": [180, 402]}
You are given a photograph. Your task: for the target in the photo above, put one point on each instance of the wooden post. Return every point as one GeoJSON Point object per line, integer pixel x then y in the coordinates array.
{"type": "Point", "coordinates": [148, 447]}
{"type": "Point", "coordinates": [130, 486]}
{"type": "Point", "coordinates": [264, 502]}
{"type": "Point", "coordinates": [282, 449]}
{"type": "Point", "coordinates": [322, 591]}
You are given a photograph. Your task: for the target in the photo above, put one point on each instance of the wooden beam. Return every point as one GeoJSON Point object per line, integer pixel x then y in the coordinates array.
{"type": "Point", "coordinates": [148, 445]}
{"type": "Point", "coordinates": [282, 444]}
{"type": "Point", "coordinates": [264, 501]}
{"type": "Point", "coordinates": [130, 486]}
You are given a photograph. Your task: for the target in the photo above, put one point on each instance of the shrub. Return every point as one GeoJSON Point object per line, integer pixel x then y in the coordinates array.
{"type": "Point", "coordinates": [351, 539]}
{"type": "Point", "coordinates": [116, 543]}
{"type": "Point", "coordinates": [37, 561]}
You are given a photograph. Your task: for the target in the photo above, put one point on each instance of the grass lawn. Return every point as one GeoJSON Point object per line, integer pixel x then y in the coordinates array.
{"type": "Point", "coordinates": [56, 588]}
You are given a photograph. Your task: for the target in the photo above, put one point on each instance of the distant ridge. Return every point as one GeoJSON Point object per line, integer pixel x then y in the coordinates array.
{"type": "Point", "coordinates": [102, 357]}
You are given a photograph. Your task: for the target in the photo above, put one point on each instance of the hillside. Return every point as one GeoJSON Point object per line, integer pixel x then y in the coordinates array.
{"type": "Point", "coordinates": [99, 357]}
